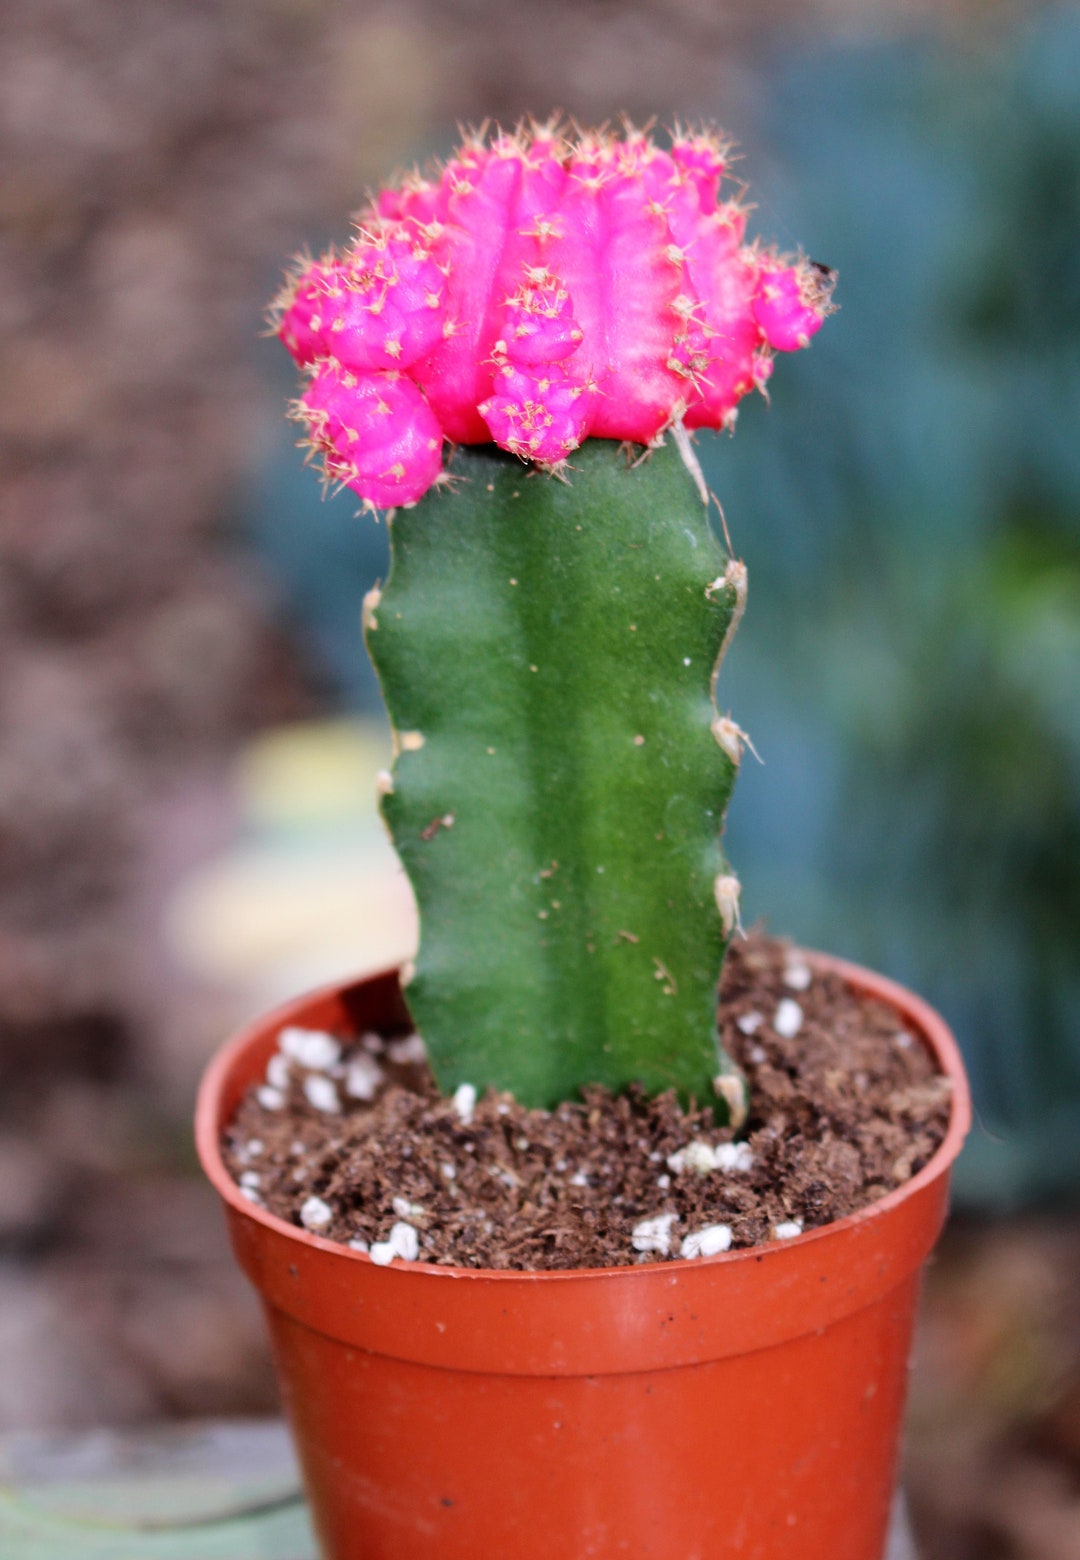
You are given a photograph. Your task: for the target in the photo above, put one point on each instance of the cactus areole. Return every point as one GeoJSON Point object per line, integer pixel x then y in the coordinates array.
{"type": "Point", "coordinates": [561, 313]}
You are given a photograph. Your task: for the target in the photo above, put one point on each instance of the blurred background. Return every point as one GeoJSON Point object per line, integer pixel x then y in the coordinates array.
{"type": "Point", "coordinates": [189, 728]}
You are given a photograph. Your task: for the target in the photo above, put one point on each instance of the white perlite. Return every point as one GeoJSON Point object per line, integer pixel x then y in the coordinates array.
{"type": "Point", "coordinates": [410, 1050]}
{"type": "Point", "coordinates": [278, 1071]}
{"type": "Point", "coordinates": [316, 1214]}
{"type": "Point", "coordinates": [269, 1098]}
{"type": "Point", "coordinates": [654, 1234]}
{"type": "Point", "coordinates": [464, 1101]}
{"type": "Point", "coordinates": [250, 1178]}
{"type": "Point", "coordinates": [403, 1242]}
{"type": "Point", "coordinates": [788, 1230]}
{"type": "Point", "coordinates": [733, 1156]}
{"type": "Point", "coordinates": [709, 1242]}
{"type": "Point", "coordinates": [750, 1023]}
{"type": "Point", "coordinates": [358, 1243]}
{"type": "Point", "coordinates": [797, 975]}
{"type": "Point", "coordinates": [695, 1156]}
{"type": "Point", "coordinates": [787, 1020]}
{"type": "Point", "coordinates": [373, 1043]}
{"type": "Point", "coordinates": [406, 1209]}
{"type": "Point", "coordinates": [703, 1157]}
{"type": "Point", "coordinates": [363, 1078]}
{"type": "Point", "coordinates": [309, 1048]}
{"type": "Point", "coordinates": [321, 1092]}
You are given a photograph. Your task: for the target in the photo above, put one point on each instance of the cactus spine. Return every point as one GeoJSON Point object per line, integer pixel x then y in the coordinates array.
{"type": "Point", "coordinates": [547, 652]}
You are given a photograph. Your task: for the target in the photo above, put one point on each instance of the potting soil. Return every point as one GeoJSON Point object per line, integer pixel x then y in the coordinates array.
{"type": "Point", "coordinates": [350, 1138]}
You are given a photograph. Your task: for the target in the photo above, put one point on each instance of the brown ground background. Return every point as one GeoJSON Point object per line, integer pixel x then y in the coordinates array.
{"type": "Point", "coordinates": [157, 161]}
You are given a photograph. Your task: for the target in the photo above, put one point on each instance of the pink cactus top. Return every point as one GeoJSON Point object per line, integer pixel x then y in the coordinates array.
{"type": "Point", "coordinates": [539, 291]}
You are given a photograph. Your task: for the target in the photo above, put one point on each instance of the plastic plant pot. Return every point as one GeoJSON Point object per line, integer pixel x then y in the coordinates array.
{"type": "Point", "coordinates": [746, 1405]}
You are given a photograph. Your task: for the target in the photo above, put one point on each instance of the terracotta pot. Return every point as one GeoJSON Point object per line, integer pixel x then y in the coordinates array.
{"type": "Point", "coordinates": [743, 1405]}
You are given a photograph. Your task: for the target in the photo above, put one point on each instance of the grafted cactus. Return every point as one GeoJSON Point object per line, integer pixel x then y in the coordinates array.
{"type": "Point", "coordinates": [549, 636]}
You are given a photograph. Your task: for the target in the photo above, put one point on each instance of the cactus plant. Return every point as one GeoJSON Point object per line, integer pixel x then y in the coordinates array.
{"type": "Point", "coordinates": [563, 312]}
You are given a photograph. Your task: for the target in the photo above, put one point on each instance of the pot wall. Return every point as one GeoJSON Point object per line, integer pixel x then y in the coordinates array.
{"type": "Point", "coordinates": [745, 1405]}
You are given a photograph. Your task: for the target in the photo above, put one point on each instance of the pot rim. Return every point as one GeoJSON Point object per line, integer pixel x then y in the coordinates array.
{"type": "Point", "coordinates": [932, 1027]}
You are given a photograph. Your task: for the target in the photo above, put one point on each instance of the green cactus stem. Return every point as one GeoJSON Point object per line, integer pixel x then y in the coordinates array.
{"type": "Point", "coordinates": [547, 650]}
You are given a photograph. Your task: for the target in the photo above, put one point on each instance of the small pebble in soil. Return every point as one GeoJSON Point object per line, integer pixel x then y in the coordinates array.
{"type": "Point", "coordinates": [787, 1021]}
{"type": "Point", "coordinates": [403, 1242]}
{"type": "Point", "coordinates": [750, 1023]}
{"type": "Point", "coordinates": [278, 1071]}
{"type": "Point", "coordinates": [465, 1101]}
{"type": "Point", "coordinates": [733, 1156]}
{"type": "Point", "coordinates": [787, 1230]}
{"type": "Point", "coordinates": [408, 1052]}
{"type": "Point", "coordinates": [654, 1234]}
{"type": "Point", "coordinates": [270, 1098]}
{"type": "Point", "coordinates": [315, 1214]}
{"type": "Point", "coordinates": [321, 1092]}
{"type": "Point", "coordinates": [797, 975]}
{"type": "Point", "coordinates": [704, 1157]}
{"type": "Point", "coordinates": [709, 1242]}
{"type": "Point", "coordinates": [406, 1209]}
{"type": "Point", "coordinates": [309, 1047]}
{"type": "Point", "coordinates": [695, 1156]}
{"type": "Point", "coordinates": [363, 1077]}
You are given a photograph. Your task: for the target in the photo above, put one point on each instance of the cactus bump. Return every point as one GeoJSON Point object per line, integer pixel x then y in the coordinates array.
{"type": "Point", "coordinates": [511, 356]}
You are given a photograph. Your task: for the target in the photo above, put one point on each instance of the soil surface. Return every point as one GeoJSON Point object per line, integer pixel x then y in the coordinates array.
{"type": "Point", "coordinates": [846, 1105]}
